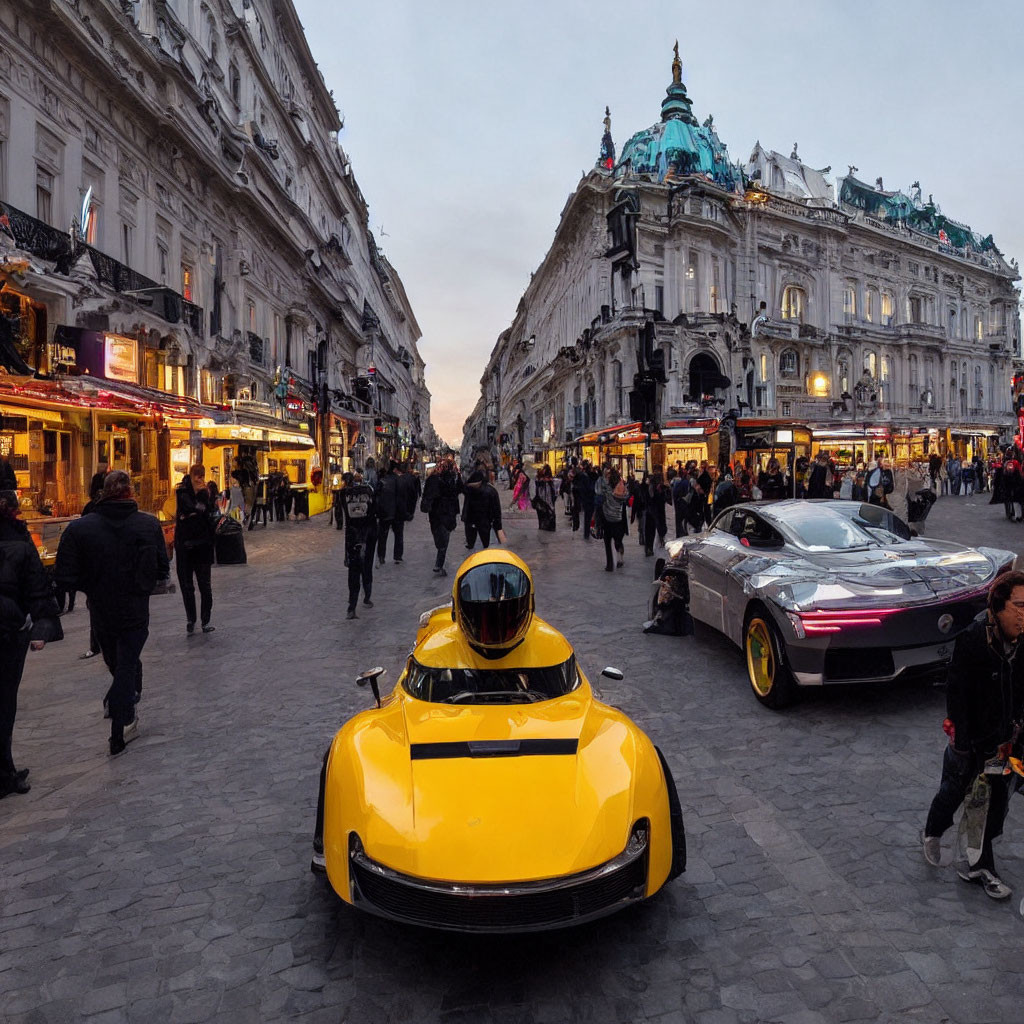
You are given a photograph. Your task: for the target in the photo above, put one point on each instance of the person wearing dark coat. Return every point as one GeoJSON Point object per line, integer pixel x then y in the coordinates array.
{"type": "Point", "coordinates": [28, 618]}
{"type": "Point", "coordinates": [482, 511]}
{"type": "Point", "coordinates": [984, 708]}
{"type": "Point", "coordinates": [359, 506]}
{"type": "Point", "coordinates": [441, 504]}
{"type": "Point", "coordinates": [116, 555]}
{"type": "Point", "coordinates": [583, 497]}
{"type": "Point", "coordinates": [819, 478]}
{"type": "Point", "coordinates": [390, 514]}
{"type": "Point", "coordinates": [193, 547]}
{"type": "Point", "coordinates": [8, 478]}
{"type": "Point", "coordinates": [408, 492]}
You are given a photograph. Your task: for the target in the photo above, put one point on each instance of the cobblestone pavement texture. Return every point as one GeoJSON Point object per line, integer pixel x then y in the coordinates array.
{"type": "Point", "coordinates": [172, 884]}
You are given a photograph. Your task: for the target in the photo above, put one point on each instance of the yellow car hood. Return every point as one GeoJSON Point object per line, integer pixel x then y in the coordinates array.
{"type": "Point", "coordinates": [434, 812]}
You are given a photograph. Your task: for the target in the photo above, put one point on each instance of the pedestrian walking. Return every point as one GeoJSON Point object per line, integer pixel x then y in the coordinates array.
{"type": "Point", "coordinates": [408, 497]}
{"type": "Point", "coordinates": [28, 618]}
{"type": "Point", "coordinates": [8, 478]}
{"type": "Point", "coordinates": [193, 547]}
{"type": "Point", "coordinates": [613, 512]}
{"type": "Point", "coordinates": [359, 505]}
{"type": "Point", "coordinates": [520, 489]}
{"type": "Point", "coordinates": [819, 478]}
{"type": "Point", "coordinates": [544, 497]}
{"type": "Point", "coordinates": [260, 505]}
{"type": "Point", "coordinates": [441, 504]}
{"type": "Point", "coordinates": [370, 474]}
{"type": "Point", "coordinates": [583, 498]}
{"type": "Point", "coordinates": [482, 511]}
{"type": "Point", "coordinates": [390, 514]}
{"type": "Point", "coordinates": [985, 712]}
{"type": "Point", "coordinates": [881, 483]}
{"type": "Point", "coordinates": [116, 555]}
{"type": "Point", "coordinates": [682, 494]}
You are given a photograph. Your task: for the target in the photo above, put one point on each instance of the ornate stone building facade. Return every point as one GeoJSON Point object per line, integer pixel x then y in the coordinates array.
{"type": "Point", "coordinates": [771, 292]}
{"type": "Point", "coordinates": [170, 174]}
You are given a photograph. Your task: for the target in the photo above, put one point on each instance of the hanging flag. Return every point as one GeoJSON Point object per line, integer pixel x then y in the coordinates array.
{"type": "Point", "coordinates": [943, 237]}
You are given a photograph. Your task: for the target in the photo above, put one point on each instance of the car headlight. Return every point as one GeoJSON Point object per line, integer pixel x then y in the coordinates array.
{"type": "Point", "coordinates": [639, 838]}
{"type": "Point", "coordinates": [797, 623]}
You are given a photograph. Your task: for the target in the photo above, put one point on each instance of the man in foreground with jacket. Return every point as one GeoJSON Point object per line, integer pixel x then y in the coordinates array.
{"type": "Point", "coordinates": [359, 506]}
{"type": "Point", "coordinates": [116, 555]}
{"type": "Point", "coordinates": [985, 708]}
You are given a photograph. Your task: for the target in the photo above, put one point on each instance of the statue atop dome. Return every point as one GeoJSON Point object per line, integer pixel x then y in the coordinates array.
{"type": "Point", "coordinates": [676, 104]}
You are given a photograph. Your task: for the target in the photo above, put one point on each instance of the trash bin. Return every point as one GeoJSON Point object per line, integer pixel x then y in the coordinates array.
{"type": "Point", "coordinates": [229, 542]}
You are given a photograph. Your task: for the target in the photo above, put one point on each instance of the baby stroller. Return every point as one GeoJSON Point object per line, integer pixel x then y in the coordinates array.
{"type": "Point", "coordinates": [918, 507]}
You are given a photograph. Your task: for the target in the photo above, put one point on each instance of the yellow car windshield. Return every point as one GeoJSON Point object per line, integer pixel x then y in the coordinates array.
{"type": "Point", "coordinates": [490, 685]}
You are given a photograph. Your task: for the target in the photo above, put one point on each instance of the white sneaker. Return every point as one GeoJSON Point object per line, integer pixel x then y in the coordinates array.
{"type": "Point", "coordinates": [131, 730]}
{"type": "Point", "coordinates": [932, 847]}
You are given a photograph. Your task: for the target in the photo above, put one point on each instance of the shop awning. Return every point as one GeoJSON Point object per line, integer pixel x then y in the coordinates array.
{"type": "Point", "coordinates": [91, 388]}
{"type": "Point", "coordinates": [608, 432]}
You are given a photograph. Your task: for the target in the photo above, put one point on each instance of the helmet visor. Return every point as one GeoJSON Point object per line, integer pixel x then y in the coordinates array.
{"type": "Point", "coordinates": [494, 604]}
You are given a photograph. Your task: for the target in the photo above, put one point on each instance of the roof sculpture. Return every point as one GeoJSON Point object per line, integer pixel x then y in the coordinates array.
{"type": "Point", "coordinates": [678, 146]}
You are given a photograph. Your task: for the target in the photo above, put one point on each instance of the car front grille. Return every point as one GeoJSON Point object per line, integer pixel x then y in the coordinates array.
{"type": "Point", "coordinates": [517, 907]}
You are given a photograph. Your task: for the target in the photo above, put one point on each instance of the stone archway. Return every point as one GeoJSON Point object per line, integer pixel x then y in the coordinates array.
{"type": "Point", "coordinates": [706, 377]}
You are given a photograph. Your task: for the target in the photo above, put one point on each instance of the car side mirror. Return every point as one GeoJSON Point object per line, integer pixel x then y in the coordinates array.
{"type": "Point", "coordinates": [371, 675]}
{"type": "Point", "coordinates": [612, 673]}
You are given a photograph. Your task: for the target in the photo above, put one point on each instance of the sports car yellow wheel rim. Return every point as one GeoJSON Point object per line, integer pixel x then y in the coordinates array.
{"type": "Point", "coordinates": [760, 656]}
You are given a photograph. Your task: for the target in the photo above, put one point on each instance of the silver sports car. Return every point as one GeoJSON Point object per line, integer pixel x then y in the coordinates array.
{"type": "Point", "coordinates": [819, 592]}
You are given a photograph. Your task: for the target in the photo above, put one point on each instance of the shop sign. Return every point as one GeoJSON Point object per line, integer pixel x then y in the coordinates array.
{"type": "Point", "coordinates": [294, 405]}
{"type": "Point", "coordinates": [120, 358]}
{"type": "Point", "coordinates": [6, 445]}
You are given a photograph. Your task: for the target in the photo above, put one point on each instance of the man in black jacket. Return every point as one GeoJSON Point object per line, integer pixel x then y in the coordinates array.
{"type": "Point", "coordinates": [359, 506]}
{"type": "Point", "coordinates": [389, 514]}
{"type": "Point", "coordinates": [985, 707]}
{"type": "Point", "coordinates": [193, 546]}
{"type": "Point", "coordinates": [116, 555]}
{"type": "Point", "coordinates": [482, 510]}
{"type": "Point", "coordinates": [583, 497]}
{"type": "Point", "coordinates": [441, 503]}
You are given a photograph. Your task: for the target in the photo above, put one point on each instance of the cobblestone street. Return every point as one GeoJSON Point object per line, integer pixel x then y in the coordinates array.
{"type": "Point", "coordinates": [172, 884]}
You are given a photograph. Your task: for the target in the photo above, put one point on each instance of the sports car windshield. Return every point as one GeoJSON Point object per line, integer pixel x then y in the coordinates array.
{"type": "Point", "coordinates": [490, 685]}
{"type": "Point", "coordinates": [818, 529]}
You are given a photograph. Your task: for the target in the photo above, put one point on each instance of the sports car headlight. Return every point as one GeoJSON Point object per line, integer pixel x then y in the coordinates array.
{"type": "Point", "coordinates": [638, 838]}
{"type": "Point", "coordinates": [797, 623]}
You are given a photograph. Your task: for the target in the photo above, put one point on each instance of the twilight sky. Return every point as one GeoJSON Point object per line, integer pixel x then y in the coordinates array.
{"type": "Point", "coordinates": [469, 123]}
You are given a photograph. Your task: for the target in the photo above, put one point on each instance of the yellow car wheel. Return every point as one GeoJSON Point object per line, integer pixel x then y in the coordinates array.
{"type": "Point", "coordinates": [770, 678]}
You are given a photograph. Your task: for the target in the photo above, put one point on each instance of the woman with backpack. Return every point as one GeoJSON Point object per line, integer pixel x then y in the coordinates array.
{"type": "Point", "coordinates": [613, 515]}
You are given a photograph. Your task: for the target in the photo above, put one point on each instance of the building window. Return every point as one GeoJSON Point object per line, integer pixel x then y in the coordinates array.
{"type": "Point", "coordinates": [849, 301]}
{"type": "Point", "coordinates": [887, 307]}
{"type": "Point", "coordinates": [870, 363]}
{"type": "Point", "coordinates": [794, 302]}
{"type": "Point", "coordinates": [235, 84]}
{"type": "Point", "coordinates": [617, 386]}
{"type": "Point", "coordinates": [126, 244]}
{"type": "Point", "coordinates": [659, 298]}
{"type": "Point", "coordinates": [871, 305]}
{"type": "Point", "coordinates": [250, 308]}
{"type": "Point", "coordinates": [843, 367]}
{"type": "Point", "coordinates": [789, 364]}
{"type": "Point", "coordinates": [45, 185]}
{"type": "Point", "coordinates": [692, 282]}
{"type": "Point", "coordinates": [914, 308]}
{"type": "Point", "coordinates": [162, 260]}
{"type": "Point", "coordinates": [187, 279]}
{"type": "Point", "coordinates": [979, 328]}
{"type": "Point", "coordinates": [715, 294]}
{"type": "Point", "coordinates": [764, 367]}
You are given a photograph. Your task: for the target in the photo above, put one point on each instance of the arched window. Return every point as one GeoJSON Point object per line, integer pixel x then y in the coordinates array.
{"type": "Point", "coordinates": [887, 308]}
{"type": "Point", "coordinates": [913, 384]}
{"type": "Point", "coordinates": [871, 305]}
{"type": "Point", "coordinates": [849, 300]}
{"type": "Point", "coordinates": [870, 363]}
{"type": "Point", "coordinates": [979, 390]}
{"type": "Point", "coordinates": [789, 364]}
{"type": "Point", "coordinates": [794, 302]}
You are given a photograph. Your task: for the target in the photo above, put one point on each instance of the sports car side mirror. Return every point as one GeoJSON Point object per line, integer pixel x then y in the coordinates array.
{"type": "Point", "coordinates": [612, 673]}
{"type": "Point", "coordinates": [371, 676]}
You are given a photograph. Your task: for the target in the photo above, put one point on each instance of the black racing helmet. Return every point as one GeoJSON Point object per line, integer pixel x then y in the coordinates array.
{"type": "Point", "coordinates": [492, 600]}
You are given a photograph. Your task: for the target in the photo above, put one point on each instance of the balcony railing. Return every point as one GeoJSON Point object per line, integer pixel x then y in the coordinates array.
{"type": "Point", "coordinates": [49, 243]}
